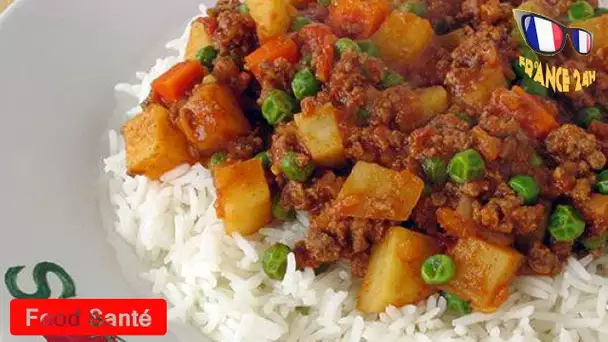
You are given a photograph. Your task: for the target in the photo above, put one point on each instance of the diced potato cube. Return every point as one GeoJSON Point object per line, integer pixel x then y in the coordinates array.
{"type": "Point", "coordinates": [212, 117]}
{"type": "Point", "coordinates": [598, 26]}
{"type": "Point", "coordinates": [402, 39]}
{"type": "Point", "coordinates": [243, 196]}
{"type": "Point", "coordinates": [199, 38]}
{"type": "Point", "coordinates": [475, 92]}
{"type": "Point", "coordinates": [483, 272]}
{"type": "Point", "coordinates": [434, 101]}
{"type": "Point", "coordinates": [320, 133]}
{"type": "Point", "coordinates": [153, 144]}
{"type": "Point", "coordinates": [272, 17]}
{"type": "Point", "coordinates": [598, 206]}
{"type": "Point", "coordinates": [372, 191]}
{"type": "Point", "coordinates": [393, 275]}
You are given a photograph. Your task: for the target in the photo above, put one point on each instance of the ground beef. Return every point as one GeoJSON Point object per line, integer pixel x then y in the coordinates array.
{"type": "Point", "coordinates": [227, 72]}
{"type": "Point", "coordinates": [377, 144]}
{"type": "Point", "coordinates": [276, 74]}
{"type": "Point", "coordinates": [572, 143]}
{"type": "Point", "coordinates": [245, 147]}
{"type": "Point", "coordinates": [235, 34]}
{"type": "Point", "coordinates": [542, 260]}
{"type": "Point", "coordinates": [487, 49]}
{"type": "Point", "coordinates": [314, 197]}
{"type": "Point", "coordinates": [331, 237]}
{"type": "Point", "coordinates": [563, 249]}
{"type": "Point", "coordinates": [505, 213]}
{"type": "Point", "coordinates": [399, 108]}
{"type": "Point", "coordinates": [315, 11]}
{"type": "Point", "coordinates": [579, 155]}
{"type": "Point", "coordinates": [443, 137]}
{"type": "Point", "coordinates": [351, 77]}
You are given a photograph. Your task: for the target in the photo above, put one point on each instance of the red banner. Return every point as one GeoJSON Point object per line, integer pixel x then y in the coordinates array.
{"type": "Point", "coordinates": [88, 317]}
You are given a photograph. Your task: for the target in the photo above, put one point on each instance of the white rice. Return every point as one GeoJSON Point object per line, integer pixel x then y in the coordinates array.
{"type": "Point", "coordinates": [216, 283]}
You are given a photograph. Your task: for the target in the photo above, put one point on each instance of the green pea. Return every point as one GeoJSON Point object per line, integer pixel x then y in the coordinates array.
{"type": "Point", "coordinates": [293, 170]}
{"type": "Point", "coordinates": [280, 211]}
{"type": "Point", "coordinates": [587, 115]}
{"type": "Point", "coordinates": [274, 261]}
{"type": "Point", "coordinates": [532, 87]}
{"type": "Point", "coordinates": [438, 269]}
{"type": "Point", "coordinates": [344, 44]}
{"type": "Point", "coordinates": [363, 116]}
{"type": "Point", "coordinates": [263, 156]}
{"type": "Point", "coordinates": [278, 106]}
{"type": "Point", "coordinates": [466, 166]}
{"type": "Point", "coordinates": [526, 188]}
{"type": "Point", "coordinates": [456, 304]}
{"type": "Point", "coordinates": [368, 47]}
{"type": "Point", "coordinates": [206, 56]}
{"type": "Point", "coordinates": [324, 2]}
{"type": "Point", "coordinates": [435, 170]}
{"type": "Point", "coordinates": [536, 160]}
{"type": "Point", "coordinates": [529, 54]}
{"type": "Point", "coordinates": [391, 79]}
{"type": "Point", "coordinates": [464, 117]}
{"type": "Point", "coordinates": [594, 242]}
{"type": "Point", "coordinates": [298, 23]}
{"type": "Point", "coordinates": [304, 84]}
{"type": "Point", "coordinates": [217, 158]}
{"type": "Point", "coordinates": [601, 185]}
{"type": "Point", "coordinates": [243, 8]}
{"type": "Point", "coordinates": [415, 6]}
{"type": "Point", "coordinates": [580, 10]}
{"type": "Point", "coordinates": [566, 223]}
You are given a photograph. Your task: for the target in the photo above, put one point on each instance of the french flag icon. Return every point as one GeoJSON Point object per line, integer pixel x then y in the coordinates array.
{"type": "Point", "coordinates": [581, 41]}
{"type": "Point", "coordinates": [544, 35]}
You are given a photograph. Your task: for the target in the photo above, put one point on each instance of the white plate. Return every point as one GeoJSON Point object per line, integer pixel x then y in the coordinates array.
{"type": "Point", "coordinates": [59, 62]}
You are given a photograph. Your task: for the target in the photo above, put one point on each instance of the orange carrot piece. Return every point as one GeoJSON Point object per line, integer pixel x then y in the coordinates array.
{"type": "Point", "coordinates": [368, 15]}
{"type": "Point", "coordinates": [539, 120]}
{"type": "Point", "coordinates": [282, 46]}
{"type": "Point", "coordinates": [175, 82]}
{"type": "Point", "coordinates": [321, 40]}
{"type": "Point", "coordinates": [455, 224]}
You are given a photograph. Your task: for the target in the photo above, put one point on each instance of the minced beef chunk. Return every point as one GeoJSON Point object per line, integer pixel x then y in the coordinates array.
{"type": "Point", "coordinates": [277, 74]}
{"type": "Point", "coordinates": [227, 72]}
{"type": "Point", "coordinates": [377, 144]}
{"type": "Point", "coordinates": [505, 213]}
{"type": "Point", "coordinates": [314, 197]}
{"type": "Point", "coordinates": [443, 137]}
{"type": "Point", "coordinates": [351, 77]}
{"type": "Point", "coordinates": [572, 143]}
{"type": "Point", "coordinates": [542, 260]}
{"type": "Point", "coordinates": [331, 237]}
{"type": "Point", "coordinates": [235, 34]}
{"type": "Point", "coordinates": [245, 147]}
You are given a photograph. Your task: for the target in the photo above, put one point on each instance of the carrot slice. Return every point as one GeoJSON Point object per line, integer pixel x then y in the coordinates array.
{"type": "Point", "coordinates": [366, 15]}
{"type": "Point", "coordinates": [539, 120]}
{"type": "Point", "coordinates": [282, 46]}
{"type": "Point", "coordinates": [175, 82]}
{"type": "Point", "coordinates": [321, 40]}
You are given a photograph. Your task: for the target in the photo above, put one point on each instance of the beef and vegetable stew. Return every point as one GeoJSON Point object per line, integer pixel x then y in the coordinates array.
{"type": "Point", "coordinates": [408, 131]}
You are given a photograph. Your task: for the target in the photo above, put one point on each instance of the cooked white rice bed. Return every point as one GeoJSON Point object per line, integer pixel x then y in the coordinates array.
{"type": "Point", "coordinates": [216, 282]}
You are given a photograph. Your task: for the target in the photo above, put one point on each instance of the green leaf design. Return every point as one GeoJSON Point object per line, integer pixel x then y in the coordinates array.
{"type": "Point", "coordinates": [39, 273]}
